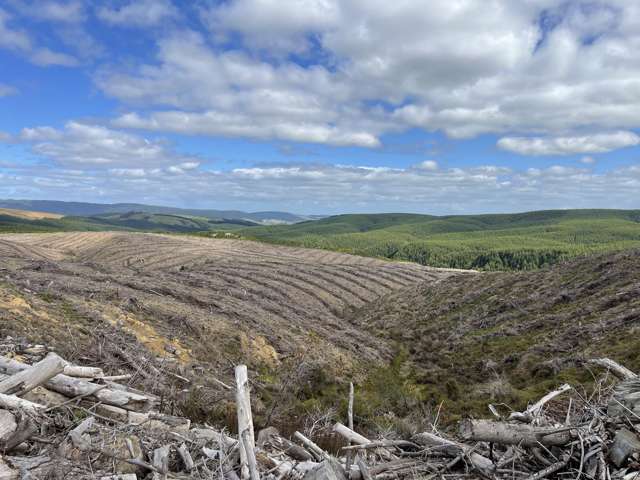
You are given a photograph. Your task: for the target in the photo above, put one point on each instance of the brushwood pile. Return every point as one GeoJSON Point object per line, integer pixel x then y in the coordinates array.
{"type": "Point", "coordinates": [66, 421]}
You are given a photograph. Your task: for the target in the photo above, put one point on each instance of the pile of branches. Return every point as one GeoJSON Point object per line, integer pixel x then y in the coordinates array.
{"type": "Point", "coordinates": [59, 420]}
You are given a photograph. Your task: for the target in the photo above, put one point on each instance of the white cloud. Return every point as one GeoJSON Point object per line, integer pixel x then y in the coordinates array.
{"type": "Point", "coordinates": [350, 71]}
{"type": "Point", "coordinates": [588, 160]}
{"type": "Point", "coordinates": [597, 143]}
{"type": "Point", "coordinates": [81, 145]}
{"type": "Point", "coordinates": [20, 41]}
{"type": "Point", "coordinates": [68, 11]}
{"type": "Point", "coordinates": [139, 13]}
{"type": "Point", "coordinates": [428, 165]}
{"type": "Point", "coordinates": [328, 188]}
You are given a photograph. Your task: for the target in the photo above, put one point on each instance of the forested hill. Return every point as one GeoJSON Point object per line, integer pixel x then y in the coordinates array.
{"type": "Point", "coordinates": [492, 242]}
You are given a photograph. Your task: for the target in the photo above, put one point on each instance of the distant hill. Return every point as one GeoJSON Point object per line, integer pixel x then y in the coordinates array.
{"type": "Point", "coordinates": [494, 242]}
{"type": "Point", "coordinates": [81, 209]}
{"type": "Point", "coordinates": [130, 221]}
{"type": "Point", "coordinates": [28, 215]}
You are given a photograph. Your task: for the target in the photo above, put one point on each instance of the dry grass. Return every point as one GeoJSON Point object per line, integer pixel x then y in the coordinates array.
{"type": "Point", "coordinates": [29, 215]}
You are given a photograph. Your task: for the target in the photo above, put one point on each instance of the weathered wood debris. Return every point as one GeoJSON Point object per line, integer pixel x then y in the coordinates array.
{"type": "Point", "coordinates": [116, 432]}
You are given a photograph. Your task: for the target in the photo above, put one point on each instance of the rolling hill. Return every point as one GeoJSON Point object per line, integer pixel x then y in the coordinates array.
{"type": "Point", "coordinates": [509, 336]}
{"type": "Point", "coordinates": [309, 321]}
{"type": "Point", "coordinates": [491, 242]}
{"type": "Point", "coordinates": [81, 209]}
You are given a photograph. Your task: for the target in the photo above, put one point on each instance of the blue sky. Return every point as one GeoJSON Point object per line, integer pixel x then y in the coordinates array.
{"type": "Point", "coordinates": [322, 106]}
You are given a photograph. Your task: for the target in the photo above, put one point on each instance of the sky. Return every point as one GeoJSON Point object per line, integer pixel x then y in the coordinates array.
{"type": "Point", "coordinates": [322, 106]}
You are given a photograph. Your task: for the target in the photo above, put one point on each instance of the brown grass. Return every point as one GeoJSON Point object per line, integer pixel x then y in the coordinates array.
{"type": "Point", "coordinates": [29, 215]}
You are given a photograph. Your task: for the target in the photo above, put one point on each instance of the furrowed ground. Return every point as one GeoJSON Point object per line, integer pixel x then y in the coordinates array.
{"type": "Point", "coordinates": [125, 298]}
{"type": "Point", "coordinates": [417, 341]}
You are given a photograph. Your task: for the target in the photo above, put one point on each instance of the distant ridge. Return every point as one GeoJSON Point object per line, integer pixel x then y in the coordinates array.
{"type": "Point", "coordinates": [83, 209]}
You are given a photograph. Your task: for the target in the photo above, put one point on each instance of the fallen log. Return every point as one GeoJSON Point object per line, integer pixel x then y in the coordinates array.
{"type": "Point", "coordinates": [271, 437]}
{"type": "Point", "coordinates": [31, 377]}
{"type": "Point", "coordinates": [354, 437]}
{"type": "Point", "coordinates": [8, 425]}
{"type": "Point", "coordinates": [185, 455]}
{"type": "Point", "coordinates": [513, 434]}
{"type": "Point", "coordinates": [455, 449]}
{"type": "Point", "coordinates": [83, 372]}
{"type": "Point", "coordinates": [618, 370]}
{"type": "Point", "coordinates": [315, 450]}
{"type": "Point", "coordinates": [73, 387]}
{"type": "Point", "coordinates": [11, 402]}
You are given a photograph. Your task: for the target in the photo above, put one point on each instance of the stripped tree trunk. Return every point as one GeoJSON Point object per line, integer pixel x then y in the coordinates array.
{"type": "Point", "coordinates": [248, 466]}
{"type": "Point", "coordinates": [32, 377]}
{"type": "Point", "coordinates": [513, 434]}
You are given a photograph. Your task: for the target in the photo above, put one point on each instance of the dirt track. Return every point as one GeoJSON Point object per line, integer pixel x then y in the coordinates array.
{"type": "Point", "coordinates": [212, 300]}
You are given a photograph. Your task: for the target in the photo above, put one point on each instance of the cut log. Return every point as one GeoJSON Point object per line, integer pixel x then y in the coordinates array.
{"type": "Point", "coordinates": [354, 437]}
{"type": "Point", "coordinates": [455, 449]}
{"type": "Point", "coordinates": [271, 437]}
{"type": "Point", "coordinates": [318, 452]}
{"type": "Point", "coordinates": [24, 431]}
{"type": "Point", "coordinates": [185, 455]}
{"type": "Point", "coordinates": [124, 476]}
{"type": "Point", "coordinates": [618, 370]}
{"type": "Point", "coordinates": [161, 462]}
{"type": "Point", "coordinates": [11, 402]}
{"type": "Point", "coordinates": [364, 470]}
{"type": "Point", "coordinates": [83, 372]}
{"type": "Point", "coordinates": [248, 468]}
{"type": "Point", "coordinates": [625, 444]}
{"type": "Point", "coordinates": [29, 378]}
{"type": "Point", "coordinates": [513, 434]}
{"type": "Point", "coordinates": [74, 387]}
{"type": "Point", "coordinates": [8, 425]}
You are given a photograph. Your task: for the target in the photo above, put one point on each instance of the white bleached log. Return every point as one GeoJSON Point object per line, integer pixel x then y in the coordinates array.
{"type": "Point", "coordinates": [75, 387]}
{"type": "Point", "coordinates": [315, 450]}
{"type": "Point", "coordinates": [124, 476]}
{"type": "Point", "coordinates": [534, 410]}
{"type": "Point", "coordinates": [513, 434]}
{"type": "Point", "coordinates": [618, 370]}
{"type": "Point", "coordinates": [185, 455]}
{"type": "Point", "coordinates": [354, 437]}
{"type": "Point", "coordinates": [161, 462]}
{"type": "Point", "coordinates": [248, 468]}
{"type": "Point", "coordinates": [12, 402]}
{"type": "Point", "coordinates": [31, 377]}
{"type": "Point", "coordinates": [8, 425]}
{"type": "Point", "coordinates": [83, 372]}
{"type": "Point", "coordinates": [454, 449]}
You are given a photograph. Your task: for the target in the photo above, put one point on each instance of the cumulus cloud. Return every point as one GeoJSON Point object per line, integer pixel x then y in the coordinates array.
{"type": "Point", "coordinates": [428, 165]}
{"type": "Point", "coordinates": [68, 11]}
{"type": "Point", "coordinates": [81, 145]}
{"type": "Point", "coordinates": [138, 13]}
{"type": "Point", "coordinates": [19, 41]}
{"type": "Point", "coordinates": [326, 188]}
{"type": "Point", "coordinates": [598, 143]}
{"type": "Point", "coordinates": [348, 72]}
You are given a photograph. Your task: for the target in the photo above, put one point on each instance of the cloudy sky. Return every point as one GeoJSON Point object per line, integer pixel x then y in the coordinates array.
{"type": "Point", "coordinates": [322, 106]}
